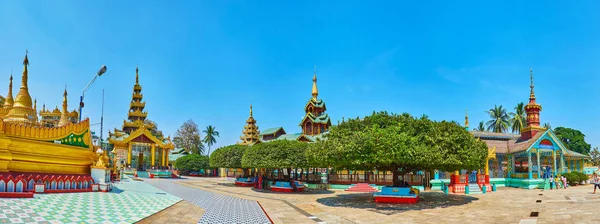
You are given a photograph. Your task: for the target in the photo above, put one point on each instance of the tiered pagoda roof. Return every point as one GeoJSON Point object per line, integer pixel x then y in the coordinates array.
{"type": "Point", "coordinates": [250, 133]}
{"type": "Point", "coordinates": [136, 114]}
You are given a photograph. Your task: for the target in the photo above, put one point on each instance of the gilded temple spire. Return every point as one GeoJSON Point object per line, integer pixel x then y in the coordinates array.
{"type": "Point", "coordinates": [533, 113]}
{"type": "Point", "coordinates": [22, 111]}
{"type": "Point", "coordinates": [137, 76]}
{"type": "Point", "coordinates": [250, 132]}
{"type": "Point", "coordinates": [315, 91]}
{"type": "Point", "coordinates": [64, 115]}
{"type": "Point", "coordinates": [8, 103]}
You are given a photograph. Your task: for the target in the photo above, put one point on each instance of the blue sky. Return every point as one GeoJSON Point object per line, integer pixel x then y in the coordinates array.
{"type": "Point", "coordinates": [209, 60]}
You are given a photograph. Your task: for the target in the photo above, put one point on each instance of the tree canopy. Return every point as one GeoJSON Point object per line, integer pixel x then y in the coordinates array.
{"type": "Point", "coordinates": [595, 154]}
{"type": "Point", "coordinates": [573, 139]}
{"type": "Point", "coordinates": [228, 156]}
{"type": "Point", "coordinates": [210, 137]}
{"type": "Point", "coordinates": [188, 138]}
{"type": "Point", "coordinates": [400, 143]}
{"type": "Point", "coordinates": [276, 154]}
{"type": "Point", "coordinates": [192, 162]}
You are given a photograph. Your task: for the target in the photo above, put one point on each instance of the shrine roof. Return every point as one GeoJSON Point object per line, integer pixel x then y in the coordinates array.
{"type": "Point", "coordinates": [522, 145]}
{"type": "Point", "coordinates": [570, 153]}
{"type": "Point", "coordinates": [321, 119]}
{"type": "Point", "coordinates": [270, 131]}
{"type": "Point", "coordinates": [319, 103]}
{"type": "Point", "coordinates": [314, 138]}
{"type": "Point", "coordinates": [493, 135]}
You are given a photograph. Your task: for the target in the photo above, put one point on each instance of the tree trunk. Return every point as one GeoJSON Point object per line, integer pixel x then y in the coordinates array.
{"type": "Point", "coordinates": [395, 178]}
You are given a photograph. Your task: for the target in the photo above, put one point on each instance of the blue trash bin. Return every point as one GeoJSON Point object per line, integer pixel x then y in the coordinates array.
{"type": "Point", "coordinates": [493, 187]}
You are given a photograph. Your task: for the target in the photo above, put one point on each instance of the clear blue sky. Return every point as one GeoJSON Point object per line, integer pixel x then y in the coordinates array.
{"type": "Point", "coordinates": [209, 60]}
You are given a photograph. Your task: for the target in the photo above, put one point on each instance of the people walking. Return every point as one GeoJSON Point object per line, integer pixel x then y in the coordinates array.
{"type": "Point", "coordinates": [551, 182]}
{"type": "Point", "coordinates": [596, 182]}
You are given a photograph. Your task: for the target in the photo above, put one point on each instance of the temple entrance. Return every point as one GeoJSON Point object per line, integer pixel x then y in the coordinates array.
{"type": "Point", "coordinates": [140, 166]}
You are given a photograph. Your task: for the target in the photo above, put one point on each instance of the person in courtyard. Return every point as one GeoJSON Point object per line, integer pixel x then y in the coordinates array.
{"type": "Point", "coordinates": [547, 173]}
{"type": "Point", "coordinates": [551, 182]}
{"type": "Point", "coordinates": [564, 181]}
{"type": "Point", "coordinates": [596, 182]}
{"type": "Point", "coordinates": [557, 182]}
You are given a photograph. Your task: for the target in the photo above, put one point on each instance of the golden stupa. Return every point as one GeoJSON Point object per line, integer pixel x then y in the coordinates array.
{"type": "Point", "coordinates": [27, 147]}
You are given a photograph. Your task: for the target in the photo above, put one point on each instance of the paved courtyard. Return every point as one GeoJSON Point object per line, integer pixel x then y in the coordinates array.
{"type": "Point", "coordinates": [129, 202]}
{"type": "Point", "coordinates": [508, 205]}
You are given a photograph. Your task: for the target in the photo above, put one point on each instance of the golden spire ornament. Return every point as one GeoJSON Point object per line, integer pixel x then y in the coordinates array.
{"type": "Point", "coordinates": [315, 91]}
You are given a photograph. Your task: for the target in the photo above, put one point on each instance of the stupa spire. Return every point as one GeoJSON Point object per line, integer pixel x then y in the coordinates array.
{"type": "Point", "coordinates": [315, 91]}
{"type": "Point", "coordinates": [531, 86]}
{"type": "Point", "coordinates": [8, 103]}
{"type": "Point", "coordinates": [250, 132]}
{"type": "Point", "coordinates": [64, 118]}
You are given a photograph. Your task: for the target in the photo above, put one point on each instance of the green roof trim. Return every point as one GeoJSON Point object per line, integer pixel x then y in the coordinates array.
{"type": "Point", "coordinates": [270, 131]}
{"type": "Point", "coordinates": [318, 103]}
{"type": "Point", "coordinates": [321, 119]}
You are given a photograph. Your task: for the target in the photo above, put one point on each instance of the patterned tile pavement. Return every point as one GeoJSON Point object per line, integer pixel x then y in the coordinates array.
{"type": "Point", "coordinates": [219, 208]}
{"type": "Point", "coordinates": [129, 202]}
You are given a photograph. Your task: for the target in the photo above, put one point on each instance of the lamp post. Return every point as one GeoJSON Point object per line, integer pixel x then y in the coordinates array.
{"type": "Point", "coordinates": [100, 72]}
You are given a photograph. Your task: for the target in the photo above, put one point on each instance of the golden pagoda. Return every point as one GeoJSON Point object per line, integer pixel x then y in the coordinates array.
{"type": "Point", "coordinates": [250, 131]}
{"type": "Point", "coordinates": [22, 111]}
{"type": "Point", "coordinates": [27, 147]}
{"type": "Point", "coordinates": [135, 145]}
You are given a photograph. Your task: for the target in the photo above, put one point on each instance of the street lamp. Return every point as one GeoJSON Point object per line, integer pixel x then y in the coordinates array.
{"type": "Point", "coordinates": [100, 72]}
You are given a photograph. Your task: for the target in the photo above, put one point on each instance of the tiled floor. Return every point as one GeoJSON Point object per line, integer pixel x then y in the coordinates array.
{"type": "Point", "coordinates": [182, 212]}
{"type": "Point", "coordinates": [507, 205]}
{"type": "Point", "coordinates": [129, 202]}
{"type": "Point", "coordinates": [219, 208]}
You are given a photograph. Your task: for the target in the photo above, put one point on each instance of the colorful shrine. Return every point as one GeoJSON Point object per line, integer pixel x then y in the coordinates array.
{"type": "Point", "coordinates": [137, 145]}
{"type": "Point", "coordinates": [518, 160]}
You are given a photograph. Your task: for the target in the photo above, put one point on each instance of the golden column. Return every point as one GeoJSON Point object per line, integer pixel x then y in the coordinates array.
{"type": "Point", "coordinates": [163, 157]}
{"type": "Point", "coordinates": [153, 151]}
{"type": "Point", "coordinates": [129, 153]}
{"type": "Point", "coordinates": [167, 158]}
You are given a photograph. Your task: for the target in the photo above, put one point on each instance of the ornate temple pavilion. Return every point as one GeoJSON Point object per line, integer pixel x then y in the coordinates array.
{"type": "Point", "coordinates": [518, 160]}
{"type": "Point", "coordinates": [315, 123]}
{"type": "Point", "coordinates": [136, 145]}
{"type": "Point", "coordinates": [31, 147]}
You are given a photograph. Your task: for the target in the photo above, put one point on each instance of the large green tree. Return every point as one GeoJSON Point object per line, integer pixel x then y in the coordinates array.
{"type": "Point", "coordinates": [192, 162]}
{"type": "Point", "coordinates": [188, 138]}
{"type": "Point", "coordinates": [278, 154]}
{"type": "Point", "coordinates": [573, 139]}
{"type": "Point", "coordinates": [518, 119]}
{"type": "Point", "coordinates": [228, 156]}
{"type": "Point", "coordinates": [210, 136]}
{"type": "Point", "coordinates": [499, 120]}
{"type": "Point", "coordinates": [595, 154]}
{"type": "Point", "coordinates": [399, 143]}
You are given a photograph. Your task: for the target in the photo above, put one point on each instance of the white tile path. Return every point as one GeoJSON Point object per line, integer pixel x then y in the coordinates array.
{"type": "Point", "coordinates": [219, 208]}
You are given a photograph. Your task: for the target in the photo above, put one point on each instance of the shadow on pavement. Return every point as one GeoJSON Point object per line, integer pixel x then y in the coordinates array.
{"type": "Point", "coordinates": [307, 191]}
{"type": "Point", "coordinates": [427, 200]}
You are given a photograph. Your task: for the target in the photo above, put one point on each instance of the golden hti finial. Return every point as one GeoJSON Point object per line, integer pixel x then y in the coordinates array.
{"type": "Point", "coordinates": [25, 73]}
{"type": "Point", "coordinates": [65, 100]}
{"type": "Point", "coordinates": [250, 110]}
{"type": "Point", "coordinates": [137, 76]}
{"type": "Point", "coordinates": [315, 91]}
{"type": "Point", "coordinates": [35, 104]}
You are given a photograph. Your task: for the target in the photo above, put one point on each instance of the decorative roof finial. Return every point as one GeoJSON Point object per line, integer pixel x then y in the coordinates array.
{"type": "Point", "coordinates": [137, 77]}
{"type": "Point", "coordinates": [26, 61]}
{"type": "Point", "coordinates": [250, 110]}
{"type": "Point", "coordinates": [532, 94]}
{"type": "Point", "coordinates": [315, 91]}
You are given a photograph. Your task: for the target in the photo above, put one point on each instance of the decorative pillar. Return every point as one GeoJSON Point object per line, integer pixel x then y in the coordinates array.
{"type": "Point", "coordinates": [167, 158]}
{"type": "Point", "coordinates": [539, 166]}
{"type": "Point", "coordinates": [562, 163]}
{"type": "Point", "coordinates": [129, 153]}
{"type": "Point", "coordinates": [436, 175]}
{"type": "Point", "coordinates": [554, 162]}
{"type": "Point", "coordinates": [153, 153]}
{"type": "Point", "coordinates": [162, 158]}
{"type": "Point", "coordinates": [529, 165]}
{"type": "Point", "coordinates": [487, 166]}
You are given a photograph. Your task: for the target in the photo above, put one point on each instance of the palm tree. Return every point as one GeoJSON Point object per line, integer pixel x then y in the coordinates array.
{"type": "Point", "coordinates": [480, 127]}
{"type": "Point", "coordinates": [210, 136]}
{"type": "Point", "coordinates": [547, 126]}
{"type": "Point", "coordinates": [518, 119]}
{"type": "Point", "coordinates": [499, 119]}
